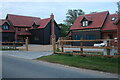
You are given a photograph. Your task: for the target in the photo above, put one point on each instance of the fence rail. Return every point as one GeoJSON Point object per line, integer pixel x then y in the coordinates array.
{"type": "Point", "coordinates": [15, 44]}
{"type": "Point", "coordinates": [62, 44]}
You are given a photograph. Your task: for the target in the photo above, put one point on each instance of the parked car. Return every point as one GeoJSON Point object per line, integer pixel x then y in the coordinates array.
{"type": "Point", "coordinates": [100, 45]}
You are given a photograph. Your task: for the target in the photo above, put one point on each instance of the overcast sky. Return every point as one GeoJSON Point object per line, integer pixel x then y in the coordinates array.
{"type": "Point", "coordinates": [59, 9]}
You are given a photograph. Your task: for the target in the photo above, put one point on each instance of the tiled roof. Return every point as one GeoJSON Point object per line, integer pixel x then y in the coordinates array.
{"type": "Point", "coordinates": [44, 22]}
{"type": "Point", "coordinates": [117, 21]}
{"type": "Point", "coordinates": [2, 21]}
{"type": "Point", "coordinates": [109, 24]}
{"type": "Point", "coordinates": [96, 18]}
{"type": "Point", "coordinates": [18, 20]}
{"type": "Point", "coordinates": [24, 33]}
{"type": "Point", "coordinates": [26, 21]}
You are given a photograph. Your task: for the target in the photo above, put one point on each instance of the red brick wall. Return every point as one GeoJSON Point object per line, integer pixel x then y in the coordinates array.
{"type": "Point", "coordinates": [105, 34]}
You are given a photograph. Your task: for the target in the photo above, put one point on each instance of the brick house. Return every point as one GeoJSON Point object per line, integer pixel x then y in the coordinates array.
{"type": "Point", "coordinates": [117, 22]}
{"type": "Point", "coordinates": [94, 26]}
{"type": "Point", "coordinates": [17, 27]}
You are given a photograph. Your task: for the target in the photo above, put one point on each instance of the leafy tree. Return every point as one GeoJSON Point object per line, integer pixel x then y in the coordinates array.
{"type": "Point", "coordinates": [64, 30]}
{"type": "Point", "coordinates": [118, 3]}
{"type": "Point", "coordinates": [72, 15]}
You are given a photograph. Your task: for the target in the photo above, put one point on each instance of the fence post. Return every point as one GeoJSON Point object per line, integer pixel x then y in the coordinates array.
{"type": "Point", "coordinates": [54, 46]}
{"type": "Point", "coordinates": [26, 42]}
{"type": "Point", "coordinates": [81, 44]}
{"type": "Point", "coordinates": [62, 46]}
{"type": "Point", "coordinates": [14, 45]}
{"type": "Point", "coordinates": [108, 50]}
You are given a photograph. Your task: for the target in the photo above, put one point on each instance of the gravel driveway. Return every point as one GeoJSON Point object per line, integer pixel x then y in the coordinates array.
{"type": "Point", "coordinates": [34, 47]}
{"type": "Point", "coordinates": [26, 54]}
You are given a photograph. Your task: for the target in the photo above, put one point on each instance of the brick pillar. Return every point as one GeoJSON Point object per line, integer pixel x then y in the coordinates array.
{"type": "Point", "coordinates": [52, 28]}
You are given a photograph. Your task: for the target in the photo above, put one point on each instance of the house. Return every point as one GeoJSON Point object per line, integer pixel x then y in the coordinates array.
{"type": "Point", "coordinates": [117, 22]}
{"type": "Point", "coordinates": [44, 31]}
{"type": "Point", "coordinates": [39, 31]}
{"type": "Point", "coordinates": [94, 26]}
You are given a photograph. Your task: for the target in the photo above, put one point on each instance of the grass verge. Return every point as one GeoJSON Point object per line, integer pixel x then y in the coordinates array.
{"type": "Point", "coordinates": [88, 62]}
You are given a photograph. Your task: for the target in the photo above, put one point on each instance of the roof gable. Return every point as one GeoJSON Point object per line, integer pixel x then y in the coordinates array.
{"type": "Point", "coordinates": [96, 18]}
{"type": "Point", "coordinates": [89, 18]}
{"type": "Point", "coordinates": [2, 21]}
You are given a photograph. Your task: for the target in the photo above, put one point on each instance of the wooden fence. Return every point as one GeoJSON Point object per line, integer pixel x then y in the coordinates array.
{"type": "Point", "coordinates": [62, 44]}
{"type": "Point", "coordinates": [14, 44]}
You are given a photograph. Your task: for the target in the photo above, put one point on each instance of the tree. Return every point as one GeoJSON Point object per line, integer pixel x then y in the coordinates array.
{"type": "Point", "coordinates": [72, 15]}
{"type": "Point", "coordinates": [64, 30]}
{"type": "Point", "coordinates": [118, 3]}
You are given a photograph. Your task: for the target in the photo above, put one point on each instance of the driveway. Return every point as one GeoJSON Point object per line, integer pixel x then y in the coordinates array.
{"type": "Point", "coordinates": [35, 47]}
{"type": "Point", "coordinates": [27, 54]}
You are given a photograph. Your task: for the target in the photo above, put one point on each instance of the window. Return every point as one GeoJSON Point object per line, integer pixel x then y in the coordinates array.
{"type": "Point", "coordinates": [113, 18]}
{"type": "Point", "coordinates": [5, 27]}
{"type": "Point", "coordinates": [85, 23]}
{"type": "Point", "coordinates": [36, 38]}
{"type": "Point", "coordinates": [78, 37]}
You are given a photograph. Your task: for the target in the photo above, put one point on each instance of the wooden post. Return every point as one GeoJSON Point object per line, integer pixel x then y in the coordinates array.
{"type": "Point", "coordinates": [108, 50]}
{"type": "Point", "coordinates": [54, 46]}
{"type": "Point", "coordinates": [14, 45]}
{"type": "Point", "coordinates": [26, 42]}
{"type": "Point", "coordinates": [81, 44]}
{"type": "Point", "coordinates": [62, 46]}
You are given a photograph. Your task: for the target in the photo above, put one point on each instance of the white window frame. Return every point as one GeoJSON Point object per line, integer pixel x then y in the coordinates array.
{"type": "Point", "coordinates": [85, 23]}
{"type": "Point", "coordinates": [5, 27]}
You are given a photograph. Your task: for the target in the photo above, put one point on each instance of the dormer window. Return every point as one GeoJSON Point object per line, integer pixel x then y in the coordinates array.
{"type": "Point", "coordinates": [35, 26]}
{"type": "Point", "coordinates": [5, 27]}
{"type": "Point", "coordinates": [113, 18]}
{"type": "Point", "coordinates": [85, 23]}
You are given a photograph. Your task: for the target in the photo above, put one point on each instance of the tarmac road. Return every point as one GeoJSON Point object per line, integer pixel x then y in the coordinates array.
{"type": "Point", "coordinates": [15, 67]}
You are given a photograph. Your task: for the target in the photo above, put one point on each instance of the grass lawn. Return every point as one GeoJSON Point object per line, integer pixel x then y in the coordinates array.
{"type": "Point", "coordinates": [88, 62]}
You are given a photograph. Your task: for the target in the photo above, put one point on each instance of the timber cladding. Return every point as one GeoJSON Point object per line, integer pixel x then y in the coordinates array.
{"type": "Point", "coordinates": [42, 36]}
{"type": "Point", "coordinates": [86, 35]}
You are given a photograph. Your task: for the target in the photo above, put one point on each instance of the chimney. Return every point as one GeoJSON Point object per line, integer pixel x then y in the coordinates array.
{"type": "Point", "coordinates": [52, 28]}
{"type": "Point", "coordinates": [52, 16]}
